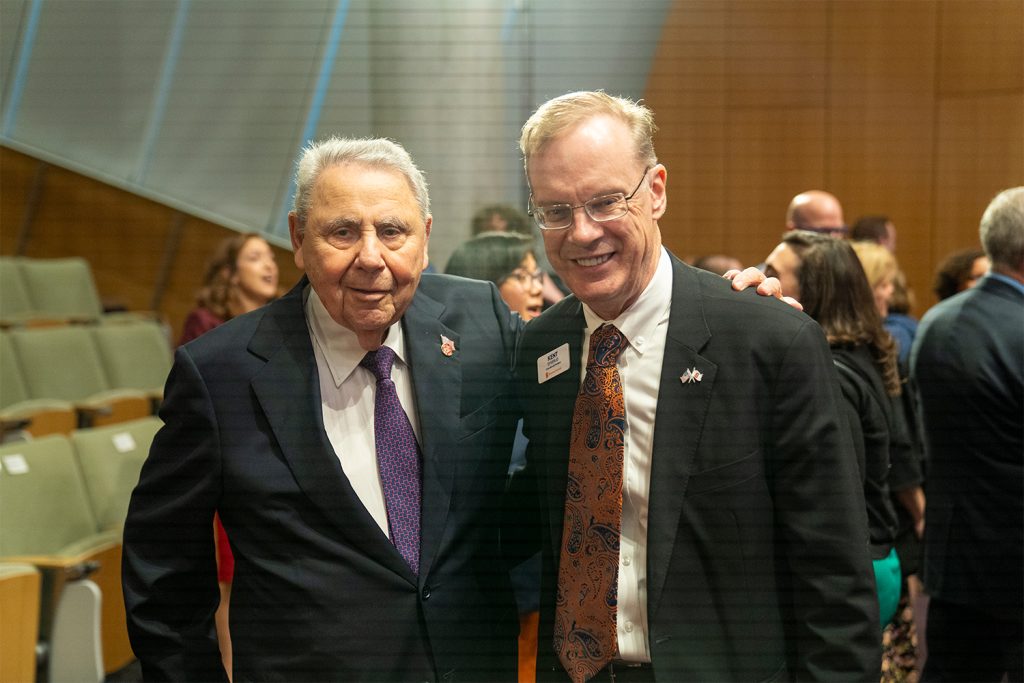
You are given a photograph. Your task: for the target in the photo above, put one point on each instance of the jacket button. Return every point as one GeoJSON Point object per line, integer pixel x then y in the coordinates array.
{"type": "Point", "coordinates": [426, 593]}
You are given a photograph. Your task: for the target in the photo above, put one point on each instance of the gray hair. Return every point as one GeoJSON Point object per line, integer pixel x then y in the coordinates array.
{"type": "Point", "coordinates": [1002, 230]}
{"type": "Point", "coordinates": [374, 152]}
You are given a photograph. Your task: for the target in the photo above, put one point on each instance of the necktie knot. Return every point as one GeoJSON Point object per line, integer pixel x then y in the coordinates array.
{"type": "Point", "coordinates": [606, 343]}
{"type": "Point", "coordinates": [379, 362]}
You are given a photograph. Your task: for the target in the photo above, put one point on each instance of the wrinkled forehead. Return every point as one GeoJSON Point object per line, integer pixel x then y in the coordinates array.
{"type": "Point", "coordinates": [357, 183]}
{"type": "Point", "coordinates": [363, 186]}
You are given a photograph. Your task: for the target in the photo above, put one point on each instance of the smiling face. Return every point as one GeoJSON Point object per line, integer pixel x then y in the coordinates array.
{"type": "Point", "coordinates": [521, 290]}
{"type": "Point", "coordinates": [255, 278]}
{"type": "Point", "coordinates": [363, 248]}
{"type": "Point", "coordinates": [607, 265]}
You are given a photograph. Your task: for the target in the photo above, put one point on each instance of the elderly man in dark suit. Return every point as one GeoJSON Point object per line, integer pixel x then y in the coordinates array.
{"type": "Point", "coordinates": [354, 436]}
{"type": "Point", "coordinates": [968, 364]}
{"type": "Point", "coordinates": [702, 514]}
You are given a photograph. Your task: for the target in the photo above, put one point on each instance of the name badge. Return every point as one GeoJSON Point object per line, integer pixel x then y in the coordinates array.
{"type": "Point", "coordinates": [553, 364]}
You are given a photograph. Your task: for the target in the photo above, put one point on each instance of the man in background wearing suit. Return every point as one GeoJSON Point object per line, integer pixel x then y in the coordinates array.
{"type": "Point", "coordinates": [362, 507]}
{"type": "Point", "coordinates": [702, 514]}
{"type": "Point", "coordinates": [968, 364]}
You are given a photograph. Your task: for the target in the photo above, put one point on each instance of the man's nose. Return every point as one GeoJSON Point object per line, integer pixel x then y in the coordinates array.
{"type": "Point", "coordinates": [583, 227]}
{"type": "Point", "coordinates": [370, 251]}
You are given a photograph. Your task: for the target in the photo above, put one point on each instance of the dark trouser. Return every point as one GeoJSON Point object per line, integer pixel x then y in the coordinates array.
{"type": "Point", "coordinates": [965, 644]}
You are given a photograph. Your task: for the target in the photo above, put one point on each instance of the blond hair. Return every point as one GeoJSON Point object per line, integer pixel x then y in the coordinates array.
{"type": "Point", "coordinates": [878, 262]}
{"type": "Point", "coordinates": [562, 113]}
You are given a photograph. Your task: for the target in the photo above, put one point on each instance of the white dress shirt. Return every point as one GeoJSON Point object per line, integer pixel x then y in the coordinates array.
{"type": "Point", "coordinates": [347, 393]}
{"type": "Point", "coordinates": [645, 325]}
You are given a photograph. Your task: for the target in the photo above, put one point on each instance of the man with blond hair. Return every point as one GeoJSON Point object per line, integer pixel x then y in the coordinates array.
{"type": "Point", "coordinates": [701, 508]}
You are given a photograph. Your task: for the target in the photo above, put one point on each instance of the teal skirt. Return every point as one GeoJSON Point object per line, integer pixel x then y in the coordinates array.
{"type": "Point", "coordinates": [887, 582]}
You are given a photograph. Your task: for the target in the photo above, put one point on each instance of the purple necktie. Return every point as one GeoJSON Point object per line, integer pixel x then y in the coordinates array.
{"type": "Point", "coordinates": [398, 458]}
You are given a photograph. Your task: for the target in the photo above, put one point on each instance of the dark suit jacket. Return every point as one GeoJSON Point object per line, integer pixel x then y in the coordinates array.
{"type": "Point", "coordinates": [968, 364]}
{"type": "Point", "coordinates": [757, 544]}
{"type": "Point", "coordinates": [319, 592]}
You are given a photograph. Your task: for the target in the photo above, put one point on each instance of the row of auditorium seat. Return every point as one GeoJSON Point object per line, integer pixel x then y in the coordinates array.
{"type": "Point", "coordinates": [44, 291]}
{"type": "Point", "coordinates": [55, 379]}
{"type": "Point", "coordinates": [63, 501]}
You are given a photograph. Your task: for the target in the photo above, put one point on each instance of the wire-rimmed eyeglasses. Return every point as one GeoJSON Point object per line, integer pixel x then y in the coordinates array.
{"type": "Point", "coordinates": [525, 277]}
{"type": "Point", "coordinates": [604, 208]}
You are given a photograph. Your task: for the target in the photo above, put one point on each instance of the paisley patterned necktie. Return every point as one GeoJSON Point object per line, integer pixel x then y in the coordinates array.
{"type": "Point", "coordinates": [398, 459]}
{"type": "Point", "coordinates": [588, 569]}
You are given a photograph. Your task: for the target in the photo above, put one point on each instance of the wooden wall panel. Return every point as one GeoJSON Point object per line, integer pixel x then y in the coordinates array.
{"type": "Point", "coordinates": [123, 240]}
{"type": "Point", "coordinates": [18, 173]}
{"type": "Point", "coordinates": [980, 152]}
{"type": "Point", "coordinates": [689, 105]}
{"type": "Point", "coordinates": [911, 108]}
{"type": "Point", "coordinates": [773, 154]}
{"type": "Point", "coordinates": [776, 53]}
{"type": "Point", "coordinates": [982, 48]}
{"type": "Point", "coordinates": [881, 119]}
{"type": "Point", "coordinates": [124, 237]}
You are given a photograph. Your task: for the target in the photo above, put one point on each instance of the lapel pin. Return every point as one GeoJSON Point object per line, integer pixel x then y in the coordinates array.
{"type": "Point", "coordinates": [447, 346]}
{"type": "Point", "coordinates": [691, 375]}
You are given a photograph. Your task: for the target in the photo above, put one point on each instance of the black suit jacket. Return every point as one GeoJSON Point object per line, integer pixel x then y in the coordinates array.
{"type": "Point", "coordinates": [757, 545]}
{"type": "Point", "coordinates": [968, 364]}
{"type": "Point", "coordinates": [319, 592]}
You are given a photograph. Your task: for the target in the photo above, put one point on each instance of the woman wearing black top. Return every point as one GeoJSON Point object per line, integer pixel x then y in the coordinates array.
{"type": "Point", "coordinates": [826, 276]}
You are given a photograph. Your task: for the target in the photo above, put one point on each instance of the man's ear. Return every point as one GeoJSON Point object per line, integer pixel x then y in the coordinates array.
{"type": "Point", "coordinates": [297, 234]}
{"type": "Point", "coordinates": [426, 240]}
{"type": "Point", "coordinates": [659, 199]}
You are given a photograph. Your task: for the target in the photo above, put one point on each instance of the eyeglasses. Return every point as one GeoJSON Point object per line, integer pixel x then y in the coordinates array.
{"type": "Point", "coordinates": [526, 278]}
{"type": "Point", "coordinates": [831, 231]}
{"type": "Point", "coordinates": [601, 209]}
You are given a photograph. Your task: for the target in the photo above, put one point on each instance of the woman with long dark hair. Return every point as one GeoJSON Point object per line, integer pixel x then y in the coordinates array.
{"type": "Point", "coordinates": [827, 278]}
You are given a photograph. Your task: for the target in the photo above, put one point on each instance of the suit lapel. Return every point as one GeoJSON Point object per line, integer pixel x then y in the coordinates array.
{"type": "Point", "coordinates": [682, 410]}
{"type": "Point", "coordinates": [288, 391]}
{"type": "Point", "coordinates": [437, 381]}
{"type": "Point", "coordinates": [558, 404]}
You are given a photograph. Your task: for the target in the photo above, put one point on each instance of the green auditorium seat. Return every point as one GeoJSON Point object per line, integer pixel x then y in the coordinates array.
{"type": "Point", "coordinates": [64, 363]}
{"type": "Point", "coordinates": [15, 303]}
{"type": "Point", "coordinates": [19, 412]}
{"type": "Point", "coordinates": [110, 459]}
{"type": "Point", "coordinates": [135, 355]}
{"type": "Point", "coordinates": [62, 288]}
{"type": "Point", "coordinates": [46, 520]}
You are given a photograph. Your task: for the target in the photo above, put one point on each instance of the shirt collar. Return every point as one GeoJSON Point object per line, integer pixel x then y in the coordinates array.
{"type": "Point", "coordinates": [340, 345]}
{"type": "Point", "coordinates": [639, 322]}
{"type": "Point", "coordinates": [1008, 280]}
